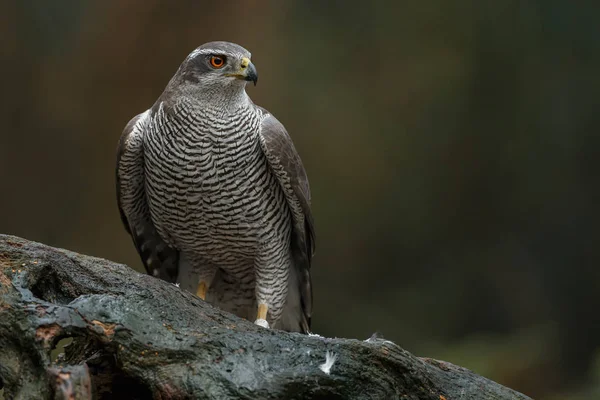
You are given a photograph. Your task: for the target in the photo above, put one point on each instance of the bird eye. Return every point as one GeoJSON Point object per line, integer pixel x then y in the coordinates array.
{"type": "Point", "coordinates": [217, 61]}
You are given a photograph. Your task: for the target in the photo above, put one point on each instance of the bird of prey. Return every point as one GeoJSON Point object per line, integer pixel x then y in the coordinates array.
{"type": "Point", "coordinates": [215, 196]}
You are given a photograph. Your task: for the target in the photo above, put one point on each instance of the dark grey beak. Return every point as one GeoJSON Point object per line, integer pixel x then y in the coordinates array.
{"type": "Point", "coordinates": [251, 74]}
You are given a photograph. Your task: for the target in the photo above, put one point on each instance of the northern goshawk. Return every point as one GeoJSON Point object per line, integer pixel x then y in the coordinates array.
{"type": "Point", "coordinates": [215, 196]}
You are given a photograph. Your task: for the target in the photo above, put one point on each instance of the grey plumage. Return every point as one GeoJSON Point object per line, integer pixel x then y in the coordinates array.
{"type": "Point", "coordinates": [211, 189]}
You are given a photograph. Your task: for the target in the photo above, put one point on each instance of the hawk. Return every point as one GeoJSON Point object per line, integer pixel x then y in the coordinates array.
{"type": "Point", "coordinates": [214, 194]}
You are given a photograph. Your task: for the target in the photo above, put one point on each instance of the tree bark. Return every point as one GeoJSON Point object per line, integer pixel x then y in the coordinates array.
{"type": "Point", "coordinates": [136, 337]}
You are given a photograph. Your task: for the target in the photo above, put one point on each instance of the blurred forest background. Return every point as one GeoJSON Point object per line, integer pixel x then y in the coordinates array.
{"type": "Point", "coordinates": [452, 149]}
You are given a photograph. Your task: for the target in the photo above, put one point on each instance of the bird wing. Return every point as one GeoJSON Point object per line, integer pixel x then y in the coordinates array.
{"type": "Point", "coordinates": [159, 259]}
{"type": "Point", "coordinates": [285, 163]}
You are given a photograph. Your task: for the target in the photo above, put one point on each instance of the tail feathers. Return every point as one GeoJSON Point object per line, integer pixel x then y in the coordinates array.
{"type": "Point", "coordinates": [296, 312]}
{"type": "Point", "coordinates": [159, 259]}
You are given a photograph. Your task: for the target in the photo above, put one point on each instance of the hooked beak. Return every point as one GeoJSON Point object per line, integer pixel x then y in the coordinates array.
{"type": "Point", "coordinates": [247, 71]}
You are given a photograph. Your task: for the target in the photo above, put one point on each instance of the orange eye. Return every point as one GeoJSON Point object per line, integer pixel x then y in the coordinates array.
{"type": "Point", "coordinates": [217, 61]}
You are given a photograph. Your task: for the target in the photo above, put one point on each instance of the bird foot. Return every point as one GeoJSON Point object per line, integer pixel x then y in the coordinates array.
{"type": "Point", "coordinates": [262, 322]}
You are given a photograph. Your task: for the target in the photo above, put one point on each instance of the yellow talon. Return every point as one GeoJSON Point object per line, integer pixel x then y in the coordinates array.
{"type": "Point", "coordinates": [201, 291]}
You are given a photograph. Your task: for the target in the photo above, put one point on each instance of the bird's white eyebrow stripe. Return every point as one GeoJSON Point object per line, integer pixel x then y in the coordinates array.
{"type": "Point", "coordinates": [210, 51]}
{"type": "Point", "coordinates": [203, 51]}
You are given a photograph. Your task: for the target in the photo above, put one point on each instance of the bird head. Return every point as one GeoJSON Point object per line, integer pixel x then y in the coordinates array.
{"type": "Point", "coordinates": [219, 64]}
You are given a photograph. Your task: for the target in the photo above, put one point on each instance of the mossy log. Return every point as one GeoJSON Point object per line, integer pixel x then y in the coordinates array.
{"type": "Point", "coordinates": [136, 337]}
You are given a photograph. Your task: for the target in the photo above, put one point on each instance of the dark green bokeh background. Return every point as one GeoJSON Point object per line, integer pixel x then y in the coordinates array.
{"type": "Point", "coordinates": [452, 148]}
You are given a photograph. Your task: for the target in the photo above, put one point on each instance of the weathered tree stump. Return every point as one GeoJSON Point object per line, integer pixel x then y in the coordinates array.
{"type": "Point", "coordinates": [137, 337]}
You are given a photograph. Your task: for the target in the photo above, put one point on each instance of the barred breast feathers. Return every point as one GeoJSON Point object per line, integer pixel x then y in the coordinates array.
{"type": "Point", "coordinates": [218, 191]}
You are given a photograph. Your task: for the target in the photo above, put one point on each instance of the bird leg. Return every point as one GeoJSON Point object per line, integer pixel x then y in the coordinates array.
{"type": "Point", "coordinates": [271, 287]}
{"type": "Point", "coordinates": [205, 277]}
{"type": "Point", "coordinates": [262, 311]}
{"type": "Point", "coordinates": [201, 290]}
{"type": "Point", "coordinates": [261, 317]}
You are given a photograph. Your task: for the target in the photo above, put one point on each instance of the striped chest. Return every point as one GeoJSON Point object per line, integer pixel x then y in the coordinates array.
{"type": "Point", "coordinates": [210, 189]}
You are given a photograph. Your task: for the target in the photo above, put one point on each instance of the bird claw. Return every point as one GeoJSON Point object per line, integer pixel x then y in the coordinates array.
{"type": "Point", "coordinates": [262, 322]}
